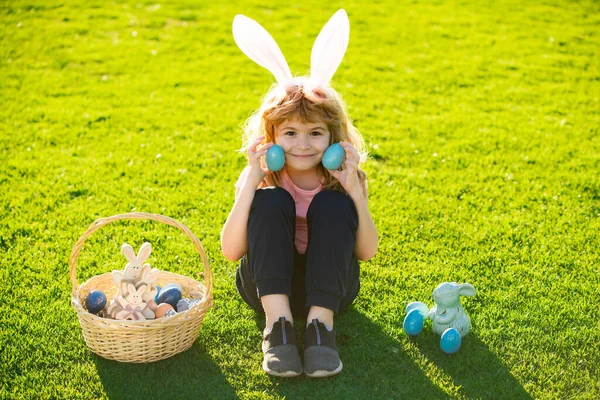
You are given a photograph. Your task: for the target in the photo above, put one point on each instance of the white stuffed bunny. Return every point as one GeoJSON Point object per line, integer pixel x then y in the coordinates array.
{"type": "Point", "coordinates": [133, 269]}
{"type": "Point", "coordinates": [327, 52]}
{"type": "Point", "coordinates": [448, 312]}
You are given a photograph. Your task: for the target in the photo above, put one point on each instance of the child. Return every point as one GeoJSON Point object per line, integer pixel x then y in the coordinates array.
{"type": "Point", "coordinates": [299, 232]}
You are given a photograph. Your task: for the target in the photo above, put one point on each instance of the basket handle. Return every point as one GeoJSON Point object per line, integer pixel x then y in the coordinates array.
{"type": "Point", "coordinates": [99, 223]}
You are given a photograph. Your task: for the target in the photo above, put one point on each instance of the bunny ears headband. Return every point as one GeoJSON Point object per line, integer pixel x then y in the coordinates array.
{"type": "Point", "coordinates": [327, 52]}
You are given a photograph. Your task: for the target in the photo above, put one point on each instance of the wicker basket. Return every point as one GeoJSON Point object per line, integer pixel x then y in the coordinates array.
{"type": "Point", "coordinates": [141, 341]}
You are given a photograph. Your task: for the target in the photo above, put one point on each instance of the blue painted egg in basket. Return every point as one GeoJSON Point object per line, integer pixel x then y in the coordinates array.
{"type": "Point", "coordinates": [96, 301]}
{"type": "Point", "coordinates": [170, 295]}
{"type": "Point", "coordinates": [157, 293]}
{"type": "Point", "coordinates": [333, 157]}
{"type": "Point", "coordinates": [450, 341]}
{"type": "Point", "coordinates": [275, 158]}
{"type": "Point", "coordinates": [413, 323]}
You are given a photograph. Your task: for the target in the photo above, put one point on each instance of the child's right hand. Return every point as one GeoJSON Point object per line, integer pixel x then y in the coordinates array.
{"type": "Point", "coordinates": [257, 173]}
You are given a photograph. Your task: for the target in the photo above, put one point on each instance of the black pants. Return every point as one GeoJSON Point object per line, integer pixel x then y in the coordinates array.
{"type": "Point", "coordinates": [326, 276]}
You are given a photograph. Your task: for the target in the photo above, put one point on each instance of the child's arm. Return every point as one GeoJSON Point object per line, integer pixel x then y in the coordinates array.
{"type": "Point", "coordinates": [366, 234]}
{"type": "Point", "coordinates": [234, 236]}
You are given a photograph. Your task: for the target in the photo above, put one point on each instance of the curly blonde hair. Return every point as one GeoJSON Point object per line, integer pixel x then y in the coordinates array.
{"type": "Point", "coordinates": [308, 105]}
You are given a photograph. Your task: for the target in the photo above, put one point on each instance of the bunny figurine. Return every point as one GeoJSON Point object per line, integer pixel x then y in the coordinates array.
{"type": "Point", "coordinates": [134, 267]}
{"type": "Point", "coordinates": [130, 306]}
{"type": "Point", "coordinates": [448, 312]}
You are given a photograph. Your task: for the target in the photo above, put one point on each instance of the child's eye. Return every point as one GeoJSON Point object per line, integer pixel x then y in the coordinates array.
{"type": "Point", "coordinates": [290, 133]}
{"type": "Point", "coordinates": [316, 133]}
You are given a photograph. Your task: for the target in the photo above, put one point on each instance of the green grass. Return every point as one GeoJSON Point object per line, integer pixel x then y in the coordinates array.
{"type": "Point", "coordinates": [482, 120]}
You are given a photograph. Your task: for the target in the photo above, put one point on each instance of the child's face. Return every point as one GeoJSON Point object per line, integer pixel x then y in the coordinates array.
{"type": "Point", "coordinates": [302, 143]}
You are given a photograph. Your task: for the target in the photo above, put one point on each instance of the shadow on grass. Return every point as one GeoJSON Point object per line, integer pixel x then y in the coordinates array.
{"type": "Point", "coordinates": [474, 368]}
{"type": "Point", "coordinates": [188, 375]}
{"type": "Point", "coordinates": [375, 367]}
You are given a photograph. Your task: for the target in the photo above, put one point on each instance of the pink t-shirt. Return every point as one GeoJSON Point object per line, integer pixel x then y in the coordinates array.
{"type": "Point", "coordinates": [301, 197]}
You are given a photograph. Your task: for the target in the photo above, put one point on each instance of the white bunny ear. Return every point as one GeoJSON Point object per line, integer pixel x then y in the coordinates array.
{"type": "Point", "coordinates": [128, 252]}
{"type": "Point", "coordinates": [144, 252]}
{"type": "Point", "coordinates": [329, 48]}
{"type": "Point", "coordinates": [259, 45]}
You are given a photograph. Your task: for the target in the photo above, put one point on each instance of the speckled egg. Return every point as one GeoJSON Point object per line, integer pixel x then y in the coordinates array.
{"type": "Point", "coordinates": [169, 294]}
{"type": "Point", "coordinates": [333, 156]}
{"type": "Point", "coordinates": [96, 301]}
{"type": "Point", "coordinates": [186, 304]}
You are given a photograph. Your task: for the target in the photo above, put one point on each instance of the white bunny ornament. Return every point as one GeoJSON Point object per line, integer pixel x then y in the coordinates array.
{"type": "Point", "coordinates": [327, 52]}
{"type": "Point", "coordinates": [130, 305]}
{"type": "Point", "coordinates": [133, 269]}
{"type": "Point", "coordinates": [448, 312]}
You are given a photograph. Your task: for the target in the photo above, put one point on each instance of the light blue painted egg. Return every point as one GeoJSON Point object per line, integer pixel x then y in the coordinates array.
{"type": "Point", "coordinates": [450, 341]}
{"type": "Point", "coordinates": [333, 157]}
{"type": "Point", "coordinates": [169, 295]}
{"type": "Point", "coordinates": [275, 158]}
{"type": "Point", "coordinates": [417, 305]}
{"type": "Point", "coordinates": [413, 323]}
{"type": "Point", "coordinates": [157, 293]}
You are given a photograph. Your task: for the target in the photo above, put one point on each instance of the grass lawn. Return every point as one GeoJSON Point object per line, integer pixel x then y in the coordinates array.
{"type": "Point", "coordinates": [483, 123]}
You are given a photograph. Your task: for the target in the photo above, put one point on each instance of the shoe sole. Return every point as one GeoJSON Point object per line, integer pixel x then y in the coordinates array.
{"type": "Point", "coordinates": [286, 374]}
{"type": "Point", "coordinates": [325, 374]}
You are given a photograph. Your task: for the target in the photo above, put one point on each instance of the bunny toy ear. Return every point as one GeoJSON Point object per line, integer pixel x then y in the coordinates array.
{"type": "Point", "coordinates": [329, 48]}
{"type": "Point", "coordinates": [128, 252]}
{"type": "Point", "coordinates": [144, 252]}
{"type": "Point", "coordinates": [259, 45]}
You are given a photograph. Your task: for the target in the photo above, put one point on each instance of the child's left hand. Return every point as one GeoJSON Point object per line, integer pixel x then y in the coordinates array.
{"type": "Point", "coordinates": [348, 176]}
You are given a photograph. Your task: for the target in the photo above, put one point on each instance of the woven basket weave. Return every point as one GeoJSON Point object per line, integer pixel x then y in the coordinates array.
{"type": "Point", "coordinates": [140, 341]}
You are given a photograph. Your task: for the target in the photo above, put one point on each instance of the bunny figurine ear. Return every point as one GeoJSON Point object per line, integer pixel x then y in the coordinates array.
{"type": "Point", "coordinates": [259, 45]}
{"type": "Point", "coordinates": [329, 48]}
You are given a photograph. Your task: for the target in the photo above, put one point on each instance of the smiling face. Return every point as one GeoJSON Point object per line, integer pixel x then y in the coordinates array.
{"type": "Point", "coordinates": [303, 143]}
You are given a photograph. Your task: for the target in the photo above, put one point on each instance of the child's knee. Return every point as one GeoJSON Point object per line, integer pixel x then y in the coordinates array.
{"type": "Point", "coordinates": [331, 203]}
{"type": "Point", "coordinates": [272, 199]}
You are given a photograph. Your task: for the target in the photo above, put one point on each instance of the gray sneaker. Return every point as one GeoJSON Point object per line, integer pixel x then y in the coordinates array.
{"type": "Point", "coordinates": [321, 358]}
{"type": "Point", "coordinates": [281, 351]}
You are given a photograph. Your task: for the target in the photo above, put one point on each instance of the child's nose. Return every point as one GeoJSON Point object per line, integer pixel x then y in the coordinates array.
{"type": "Point", "coordinates": [303, 143]}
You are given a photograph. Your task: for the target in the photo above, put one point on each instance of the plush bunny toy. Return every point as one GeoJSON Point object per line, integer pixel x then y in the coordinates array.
{"type": "Point", "coordinates": [448, 312]}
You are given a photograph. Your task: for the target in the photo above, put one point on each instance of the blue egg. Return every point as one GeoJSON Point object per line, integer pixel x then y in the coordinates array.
{"type": "Point", "coordinates": [170, 295]}
{"type": "Point", "coordinates": [417, 305]}
{"type": "Point", "coordinates": [413, 323]}
{"type": "Point", "coordinates": [96, 301]}
{"type": "Point", "coordinates": [157, 293]}
{"type": "Point", "coordinates": [450, 341]}
{"type": "Point", "coordinates": [275, 158]}
{"type": "Point", "coordinates": [333, 157]}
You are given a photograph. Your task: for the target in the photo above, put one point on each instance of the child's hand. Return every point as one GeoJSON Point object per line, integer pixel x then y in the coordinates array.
{"type": "Point", "coordinates": [257, 173]}
{"type": "Point", "coordinates": [348, 176]}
